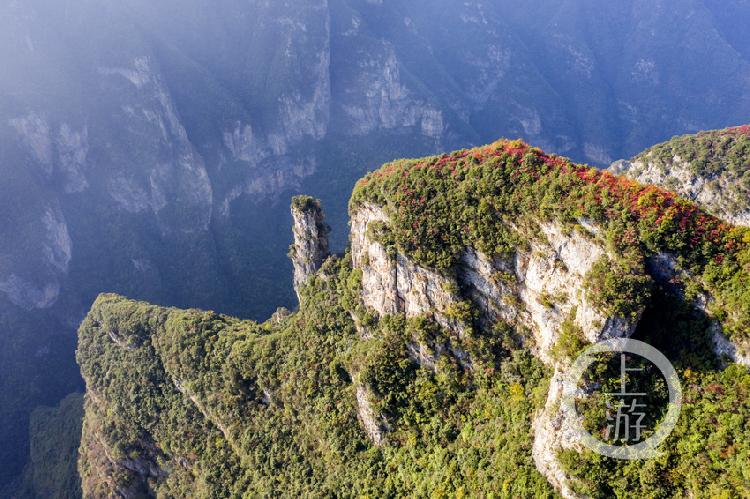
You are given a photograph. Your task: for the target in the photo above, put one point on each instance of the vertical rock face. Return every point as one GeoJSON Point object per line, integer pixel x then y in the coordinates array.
{"type": "Point", "coordinates": [537, 288]}
{"type": "Point", "coordinates": [551, 286]}
{"type": "Point", "coordinates": [378, 273]}
{"type": "Point", "coordinates": [373, 423]}
{"type": "Point", "coordinates": [310, 247]}
{"type": "Point", "coordinates": [666, 270]}
{"type": "Point", "coordinates": [394, 283]}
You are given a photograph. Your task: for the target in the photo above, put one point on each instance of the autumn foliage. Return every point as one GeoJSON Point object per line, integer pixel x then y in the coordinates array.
{"type": "Point", "coordinates": [442, 204]}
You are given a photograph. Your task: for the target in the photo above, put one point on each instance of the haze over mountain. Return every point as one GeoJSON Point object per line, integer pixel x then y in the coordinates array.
{"type": "Point", "coordinates": [150, 148]}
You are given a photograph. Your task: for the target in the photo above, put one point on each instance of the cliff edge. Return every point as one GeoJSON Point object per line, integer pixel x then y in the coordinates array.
{"type": "Point", "coordinates": [428, 358]}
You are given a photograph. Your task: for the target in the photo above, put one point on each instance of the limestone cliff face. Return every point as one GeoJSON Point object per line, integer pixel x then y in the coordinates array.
{"type": "Point", "coordinates": [393, 283]}
{"type": "Point", "coordinates": [374, 424]}
{"type": "Point", "coordinates": [310, 247]}
{"type": "Point", "coordinates": [537, 288]}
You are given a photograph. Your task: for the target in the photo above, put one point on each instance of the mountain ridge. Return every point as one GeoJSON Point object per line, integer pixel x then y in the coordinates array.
{"type": "Point", "coordinates": [428, 357]}
{"type": "Point", "coordinates": [149, 148]}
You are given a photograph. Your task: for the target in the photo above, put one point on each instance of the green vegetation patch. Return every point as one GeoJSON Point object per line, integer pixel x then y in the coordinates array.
{"type": "Point", "coordinates": [234, 408]}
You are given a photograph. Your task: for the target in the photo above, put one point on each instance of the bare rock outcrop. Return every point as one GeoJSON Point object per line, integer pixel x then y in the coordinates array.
{"type": "Point", "coordinates": [394, 283]}
{"type": "Point", "coordinates": [723, 346]}
{"type": "Point", "coordinates": [310, 247]}
{"type": "Point", "coordinates": [374, 424]}
{"type": "Point", "coordinates": [539, 288]}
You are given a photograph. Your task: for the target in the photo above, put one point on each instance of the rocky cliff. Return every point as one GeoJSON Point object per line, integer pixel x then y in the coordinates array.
{"type": "Point", "coordinates": [428, 358]}
{"type": "Point", "coordinates": [156, 148]}
{"type": "Point", "coordinates": [310, 247]}
{"type": "Point", "coordinates": [540, 289]}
